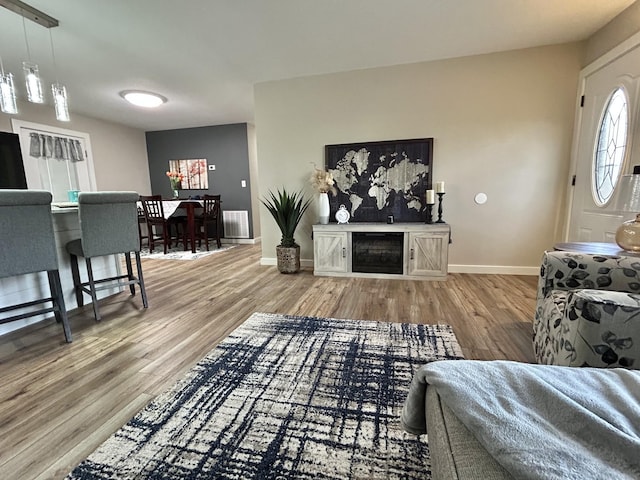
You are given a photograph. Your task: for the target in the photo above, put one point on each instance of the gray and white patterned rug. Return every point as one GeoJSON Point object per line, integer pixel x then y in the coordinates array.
{"type": "Point", "coordinates": [284, 397]}
{"type": "Point", "coordinates": [178, 253]}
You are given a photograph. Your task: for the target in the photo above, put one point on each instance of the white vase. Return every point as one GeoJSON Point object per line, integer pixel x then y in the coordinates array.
{"type": "Point", "coordinates": [323, 208]}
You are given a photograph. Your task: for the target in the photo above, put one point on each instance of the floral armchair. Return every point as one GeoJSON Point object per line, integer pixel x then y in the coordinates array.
{"type": "Point", "coordinates": [588, 311]}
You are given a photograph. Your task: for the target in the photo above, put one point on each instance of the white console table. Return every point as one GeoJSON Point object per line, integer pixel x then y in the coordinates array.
{"type": "Point", "coordinates": [425, 249]}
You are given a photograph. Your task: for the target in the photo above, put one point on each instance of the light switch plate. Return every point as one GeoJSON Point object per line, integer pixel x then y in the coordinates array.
{"type": "Point", "coordinates": [212, 167]}
{"type": "Point", "coordinates": [243, 184]}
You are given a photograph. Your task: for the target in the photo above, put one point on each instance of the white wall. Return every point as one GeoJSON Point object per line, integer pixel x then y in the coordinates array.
{"type": "Point", "coordinates": [119, 152]}
{"type": "Point", "coordinates": [623, 26]}
{"type": "Point", "coordinates": [253, 173]}
{"type": "Point", "coordinates": [502, 125]}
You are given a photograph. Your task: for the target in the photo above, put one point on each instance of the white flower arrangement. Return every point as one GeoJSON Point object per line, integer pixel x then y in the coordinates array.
{"type": "Point", "coordinates": [322, 181]}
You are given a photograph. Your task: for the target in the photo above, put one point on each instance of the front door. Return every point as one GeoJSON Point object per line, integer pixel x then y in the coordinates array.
{"type": "Point", "coordinates": [597, 196]}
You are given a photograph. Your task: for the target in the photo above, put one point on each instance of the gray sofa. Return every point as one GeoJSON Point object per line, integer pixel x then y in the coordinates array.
{"type": "Point", "coordinates": [502, 419]}
{"type": "Point", "coordinates": [455, 452]}
{"type": "Point", "coordinates": [587, 314]}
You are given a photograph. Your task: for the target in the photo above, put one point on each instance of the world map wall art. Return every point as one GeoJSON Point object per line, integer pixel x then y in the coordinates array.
{"type": "Point", "coordinates": [378, 179]}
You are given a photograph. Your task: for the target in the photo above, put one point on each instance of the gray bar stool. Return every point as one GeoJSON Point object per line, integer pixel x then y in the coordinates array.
{"type": "Point", "coordinates": [28, 245]}
{"type": "Point", "coordinates": [108, 226]}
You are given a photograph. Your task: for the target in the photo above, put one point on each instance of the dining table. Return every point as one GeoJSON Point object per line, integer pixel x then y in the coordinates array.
{"type": "Point", "coordinates": [178, 208]}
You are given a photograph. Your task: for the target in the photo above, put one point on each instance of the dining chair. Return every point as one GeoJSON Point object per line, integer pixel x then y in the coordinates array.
{"type": "Point", "coordinates": [27, 246]}
{"type": "Point", "coordinates": [108, 226]}
{"type": "Point", "coordinates": [154, 214]}
{"type": "Point", "coordinates": [208, 224]}
{"type": "Point", "coordinates": [142, 220]}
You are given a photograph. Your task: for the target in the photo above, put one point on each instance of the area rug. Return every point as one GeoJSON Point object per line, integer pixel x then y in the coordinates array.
{"type": "Point", "coordinates": [284, 397]}
{"type": "Point", "coordinates": [178, 253]}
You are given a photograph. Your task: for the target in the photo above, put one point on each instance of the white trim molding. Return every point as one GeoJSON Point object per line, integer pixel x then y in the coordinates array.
{"type": "Point", "coordinates": [477, 269]}
{"type": "Point", "coordinates": [243, 241]}
{"type": "Point", "coordinates": [304, 262]}
{"type": "Point", "coordinates": [495, 269]}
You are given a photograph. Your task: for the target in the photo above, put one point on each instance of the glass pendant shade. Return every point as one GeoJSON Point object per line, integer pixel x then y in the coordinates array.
{"type": "Point", "coordinates": [628, 235]}
{"type": "Point", "coordinates": [7, 94]}
{"type": "Point", "coordinates": [60, 101]}
{"type": "Point", "coordinates": [34, 85]}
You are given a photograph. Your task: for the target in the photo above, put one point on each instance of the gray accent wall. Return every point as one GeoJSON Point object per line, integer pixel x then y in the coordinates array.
{"type": "Point", "coordinates": [225, 146]}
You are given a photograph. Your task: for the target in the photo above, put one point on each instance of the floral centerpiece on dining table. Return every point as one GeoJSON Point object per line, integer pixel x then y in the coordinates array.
{"type": "Point", "coordinates": [175, 178]}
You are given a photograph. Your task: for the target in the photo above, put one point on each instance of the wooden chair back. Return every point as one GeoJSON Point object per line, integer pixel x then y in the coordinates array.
{"type": "Point", "coordinates": [211, 209]}
{"type": "Point", "coordinates": [154, 214]}
{"type": "Point", "coordinates": [210, 215]}
{"type": "Point", "coordinates": [152, 207]}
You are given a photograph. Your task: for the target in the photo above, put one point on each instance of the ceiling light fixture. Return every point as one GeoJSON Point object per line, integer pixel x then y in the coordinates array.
{"type": "Point", "coordinates": [59, 91]}
{"type": "Point", "coordinates": [143, 99]}
{"type": "Point", "coordinates": [35, 93]}
{"type": "Point", "coordinates": [7, 92]}
{"type": "Point", "coordinates": [31, 74]}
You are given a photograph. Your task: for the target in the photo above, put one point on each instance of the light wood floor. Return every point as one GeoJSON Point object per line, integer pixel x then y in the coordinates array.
{"type": "Point", "coordinates": [59, 401]}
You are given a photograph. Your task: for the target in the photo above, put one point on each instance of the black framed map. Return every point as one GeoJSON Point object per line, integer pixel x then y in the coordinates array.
{"type": "Point", "coordinates": [378, 179]}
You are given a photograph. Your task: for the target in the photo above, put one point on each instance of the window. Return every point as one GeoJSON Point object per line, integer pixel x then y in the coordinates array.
{"type": "Point", "coordinates": [610, 149]}
{"type": "Point", "coordinates": [55, 159]}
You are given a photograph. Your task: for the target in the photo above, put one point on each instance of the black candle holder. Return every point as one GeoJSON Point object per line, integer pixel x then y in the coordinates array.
{"type": "Point", "coordinates": [440, 195]}
{"type": "Point", "coordinates": [429, 214]}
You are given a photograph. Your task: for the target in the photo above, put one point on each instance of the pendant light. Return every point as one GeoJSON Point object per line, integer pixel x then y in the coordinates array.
{"type": "Point", "coordinates": [33, 83]}
{"type": "Point", "coordinates": [59, 91]}
{"type": "Point", "coordinates": [7, 92]}
{"type": "Point", "coordinates": [60, 102]}
{"type": "Point", "coordinates": [31, 74]}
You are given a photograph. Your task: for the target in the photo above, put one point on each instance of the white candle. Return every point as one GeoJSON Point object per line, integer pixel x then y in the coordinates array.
{"type": "Point", "coordinates": [439, 187]}
{"type": "Point", "coordinates": [431, 197]}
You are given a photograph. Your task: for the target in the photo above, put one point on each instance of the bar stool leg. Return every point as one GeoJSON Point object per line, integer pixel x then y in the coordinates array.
{"type": "Point", "coordinates": [92, 290]}
{"type": "Point", "coordinates": [60, 311]}
{"type": "Point", "coordinates": [143, 291]}
{"type": "Point", "coordinates": [77, 283]}
{"type": "Point", "coordinates": [130, 277]}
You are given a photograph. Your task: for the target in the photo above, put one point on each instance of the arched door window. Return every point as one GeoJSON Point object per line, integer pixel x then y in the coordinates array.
{"type": "Point", "coordinates": [610, 147]}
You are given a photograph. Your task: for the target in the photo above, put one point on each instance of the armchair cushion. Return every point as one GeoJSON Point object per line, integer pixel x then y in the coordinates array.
{"type": "Point", "coordinates": [572, 271]}
{"type": "Point", "coordinates": [587, 313]}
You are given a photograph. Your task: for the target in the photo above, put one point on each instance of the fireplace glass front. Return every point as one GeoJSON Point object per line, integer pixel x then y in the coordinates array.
{"type": "Point", "coordinates": [377, 252]}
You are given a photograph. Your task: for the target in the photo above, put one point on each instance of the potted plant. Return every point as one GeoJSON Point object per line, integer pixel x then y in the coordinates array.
{"type": "Point", "coordinates": [287, 210]}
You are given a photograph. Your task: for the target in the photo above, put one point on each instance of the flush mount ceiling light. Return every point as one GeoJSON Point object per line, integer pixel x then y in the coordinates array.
{"type": "Point", "coordinates": [143, 99]}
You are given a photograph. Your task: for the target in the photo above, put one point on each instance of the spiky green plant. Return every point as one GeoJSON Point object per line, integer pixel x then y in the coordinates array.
{"type": "Point", "coordinates": [287, 210]}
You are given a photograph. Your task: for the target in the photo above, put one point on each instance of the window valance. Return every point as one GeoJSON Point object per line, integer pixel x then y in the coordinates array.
{"type": "Point", "coordinates": [60, 148]}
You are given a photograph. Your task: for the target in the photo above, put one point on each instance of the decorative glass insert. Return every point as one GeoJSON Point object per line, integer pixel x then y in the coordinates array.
{"type": "Point", "coordinates": [612, 142]}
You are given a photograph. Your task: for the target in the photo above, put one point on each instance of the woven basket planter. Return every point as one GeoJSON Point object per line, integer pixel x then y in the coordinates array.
{"type": "Point", "coordinates": [288, 259]}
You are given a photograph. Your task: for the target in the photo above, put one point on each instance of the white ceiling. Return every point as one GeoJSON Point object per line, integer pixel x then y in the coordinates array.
{"type": "Point", "coordinates": [206, 55]}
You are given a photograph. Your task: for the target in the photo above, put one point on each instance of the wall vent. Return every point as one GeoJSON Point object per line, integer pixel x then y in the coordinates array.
{"type": "Point", "coordinates": [236, 223]}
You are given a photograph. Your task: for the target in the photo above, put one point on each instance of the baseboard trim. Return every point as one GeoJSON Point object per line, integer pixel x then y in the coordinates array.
{"type": "Point", "coordinates": [244, 241]}
{"type": "Point", "coordinates": [304, 263]}
{"type": "Point", "coordinates": [494, 269]}
{"type": "Point", "coordinates": [479, 269]}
